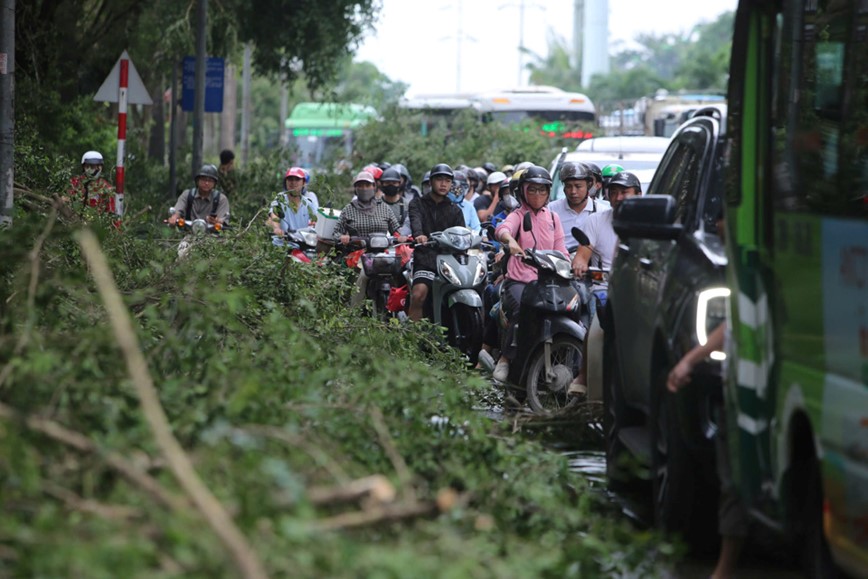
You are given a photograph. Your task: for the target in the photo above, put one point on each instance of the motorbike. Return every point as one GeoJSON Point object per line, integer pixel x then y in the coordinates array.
{"type": "Point", "coordinates": [383, 267]}
{"type": "Point", "coordinates": [194, 229]}
{"type": "Point", "coordinates": [300, 243]}
{"type": "Point", "coordinates": [456, 301]}
{"type": "Point", "coordinates": [550, 332]}
{"type": "Point", "coordinates": [597, 281]}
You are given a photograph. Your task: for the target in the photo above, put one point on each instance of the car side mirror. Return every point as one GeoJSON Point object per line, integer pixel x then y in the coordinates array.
{"type": "Point", "coordinates": [526, 224]}
{"type": "Point", "coordinates": [647, 217]}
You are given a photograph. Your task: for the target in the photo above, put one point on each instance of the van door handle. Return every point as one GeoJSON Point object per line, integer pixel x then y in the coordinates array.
{"type": "Point", "coordinates": [646, 263]}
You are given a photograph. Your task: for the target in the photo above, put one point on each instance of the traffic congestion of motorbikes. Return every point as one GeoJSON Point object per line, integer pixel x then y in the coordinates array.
{"type": "Point", "coordinates": [476, 251]}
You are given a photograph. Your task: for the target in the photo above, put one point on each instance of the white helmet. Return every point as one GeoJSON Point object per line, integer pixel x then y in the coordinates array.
{"type": "Point", "coordinates": [495, 177]}
{"type": "Point", "coordinates": [92, 158]}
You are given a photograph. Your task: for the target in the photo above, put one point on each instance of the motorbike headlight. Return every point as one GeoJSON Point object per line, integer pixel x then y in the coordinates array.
{"type": "Point", "coordinates": [562, 267]}
{"type": "Point", "coordinates": [710, 312]}
{"type": "Point", "coordinates": [309, 238]}
{"type": "Point", "coordinates": [461, 241]}
{"type": "Point", "coordinates": [199, 226]}
{"type": "Point", "coordinates": [480, 273]}
{"type": "Point", "coordinates": [378, 242]}
{"type": "Point", "coordinates": [447, 272]}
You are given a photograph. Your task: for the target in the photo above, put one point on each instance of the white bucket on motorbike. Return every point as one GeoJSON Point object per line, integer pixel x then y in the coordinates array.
{"type": "Point", "coordinates": [327, 219]}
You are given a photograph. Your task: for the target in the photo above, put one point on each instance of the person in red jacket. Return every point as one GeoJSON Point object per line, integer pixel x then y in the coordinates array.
{"type": "Point", "coordinates": [91, 189]}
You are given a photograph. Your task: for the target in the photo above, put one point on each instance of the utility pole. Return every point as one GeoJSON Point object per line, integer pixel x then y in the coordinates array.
{"type": "Point", "coordinates": [199, 99]}
{"type": "Point", "coordinates": [521, 49]}
{"type": "Point", "coordinates": [7, 112]}
{"type": "Point", "coordinates": [245, 107]}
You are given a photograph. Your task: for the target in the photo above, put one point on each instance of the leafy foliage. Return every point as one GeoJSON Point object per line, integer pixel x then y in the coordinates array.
{"type": "Point", "coordinates": [465, 140]}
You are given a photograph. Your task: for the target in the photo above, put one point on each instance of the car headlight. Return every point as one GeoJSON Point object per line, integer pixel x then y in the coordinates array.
{"type": "Point", "coordinates": [447, 272]}
{"type": "Point", "coordinates": [710, 312]}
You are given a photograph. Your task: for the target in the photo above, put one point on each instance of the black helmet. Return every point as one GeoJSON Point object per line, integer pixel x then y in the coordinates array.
{"type": "Point", "coordinates": [595, 171]}
{"type": "Point", "coordinates": [575, 171]}
{"type": "Point", "coordinates": [208, 171]}
{"type": "Point", "coordinates": [626, 179]}
{"type": "Point", "coordinates": [402, 171]}
{"type": "Point", "coordinates": [384, 165]}
{"type": "Point", "coordinates": [441, 169]}
{"type": "Point", "coordinates": [426, 177]}
{"type": "Point", "coordinates": [533, 174]}
{"type": "Point", "coordinates": [536, 174]}
{"type": "Point", "coordinates": [460, 182]}
{"type": "Point", "coordinates": [489, 167]}
{"type": "Point", "coordinates": [390, 174]}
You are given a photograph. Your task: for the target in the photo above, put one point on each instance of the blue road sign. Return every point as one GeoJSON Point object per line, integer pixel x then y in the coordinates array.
{"type": "Point", "coordinates": [213, 84]}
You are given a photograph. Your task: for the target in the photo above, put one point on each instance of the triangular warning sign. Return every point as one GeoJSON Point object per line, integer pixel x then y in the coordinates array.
{"type": "Point", "coordinates": [137, 94]}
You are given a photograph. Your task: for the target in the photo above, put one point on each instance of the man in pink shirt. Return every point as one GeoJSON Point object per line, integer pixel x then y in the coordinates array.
{"type": "Point", "coordinates": [534, 188]}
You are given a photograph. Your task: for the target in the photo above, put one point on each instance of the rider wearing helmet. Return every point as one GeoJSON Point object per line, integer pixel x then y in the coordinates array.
{"type": "Point", "coordinates": [599, 227]}
{"type": "Point", "coordinates": [293, 208]}
{"type": "Point", "coordinates": [425, 184]}
{"type": "Point", "coordinates": [597, 186]}
{"type": "Point", "coordinates": [204, 201]}
{"type": "Point", "coordinates": [430, 213]}
{"type": "Point", "coordinates": [487, 203]}
{"type": "Point", "coordinates": [607, 173]}
{"type": "Point", "coordinates": [365, 216]}
{"type": "Point", "coordinates": [90, 187]}
{"type": "Point", "coordinates": [534, 188]}
{"type": "Point", "coordinates": [576, 205]}
{"type": "Point", "coordinates": [390, 185]}
{"type": "Point", "coordinates": [376, 173]}
{"type": "Point", "coordinates": [408, 190]}
{"type": "Point", "coordinates": [458, 194]}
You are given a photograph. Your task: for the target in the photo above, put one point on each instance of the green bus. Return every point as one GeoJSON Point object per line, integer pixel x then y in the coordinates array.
{"type": "Point", "coordinates": [797, 242]}
{"type": "Point", "coordinates": [321, 134]}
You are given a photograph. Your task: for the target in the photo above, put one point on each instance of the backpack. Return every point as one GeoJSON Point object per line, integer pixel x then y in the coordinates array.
{"type": "Point", "coordinates": [191, 194]}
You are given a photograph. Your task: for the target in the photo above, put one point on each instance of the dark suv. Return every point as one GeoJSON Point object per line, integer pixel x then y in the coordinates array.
{"type": "Point", "coordinates": [666, 292]}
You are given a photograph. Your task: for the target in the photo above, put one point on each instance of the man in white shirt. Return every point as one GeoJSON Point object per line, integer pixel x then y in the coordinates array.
{"type": "Point", "coordinates": [576, 206]}
{"type": "Point", "coordinates": [599, 229]}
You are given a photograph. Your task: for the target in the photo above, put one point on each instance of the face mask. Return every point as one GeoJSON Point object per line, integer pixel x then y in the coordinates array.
{"type": "Point", "coordinates": [509, 202]}
{"type": "Point", "coordinates": [456, 196]}
{"type": "Point", "coordinates": [365, 195]}
{"type": "Point", "coordinates": [92, 171]}
{"type": "Point", "coordinates": [391, 190]}
{"type": "Point", "coordinates": [592, 193]}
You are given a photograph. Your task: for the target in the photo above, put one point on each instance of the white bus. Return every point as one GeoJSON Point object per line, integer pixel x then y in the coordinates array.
{"type": "Point", "coordinates": [559, 114]}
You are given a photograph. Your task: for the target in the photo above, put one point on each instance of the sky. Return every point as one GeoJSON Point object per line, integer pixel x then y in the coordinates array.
{"type": "Point", "coordinates": [418, 43]}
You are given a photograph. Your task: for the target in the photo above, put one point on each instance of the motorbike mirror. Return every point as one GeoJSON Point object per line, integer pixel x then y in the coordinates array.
{"type": "Point", "coordinates": [526, 223]}
{"type": "Point", "coordinates": [580, 236]}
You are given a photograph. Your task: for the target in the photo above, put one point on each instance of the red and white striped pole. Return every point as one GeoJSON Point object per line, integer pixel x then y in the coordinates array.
{"type": "Point", "coordinates": [122, 135]}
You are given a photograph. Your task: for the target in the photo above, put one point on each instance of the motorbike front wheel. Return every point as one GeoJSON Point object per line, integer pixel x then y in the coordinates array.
{"type": "Point", "coordinates": [550, 395]}
{"type": "Point", "coordinates": [465, 330]}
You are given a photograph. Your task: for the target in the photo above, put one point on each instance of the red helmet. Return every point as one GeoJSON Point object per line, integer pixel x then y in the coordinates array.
{"type": "Point", "coordinates": [375, 171]}
{"type": "Point", "coordinates": [294, 172]}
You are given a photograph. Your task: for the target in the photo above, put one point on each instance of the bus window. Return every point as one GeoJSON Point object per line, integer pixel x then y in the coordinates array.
{"type": "Point", "coordinates": [322, 133]}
